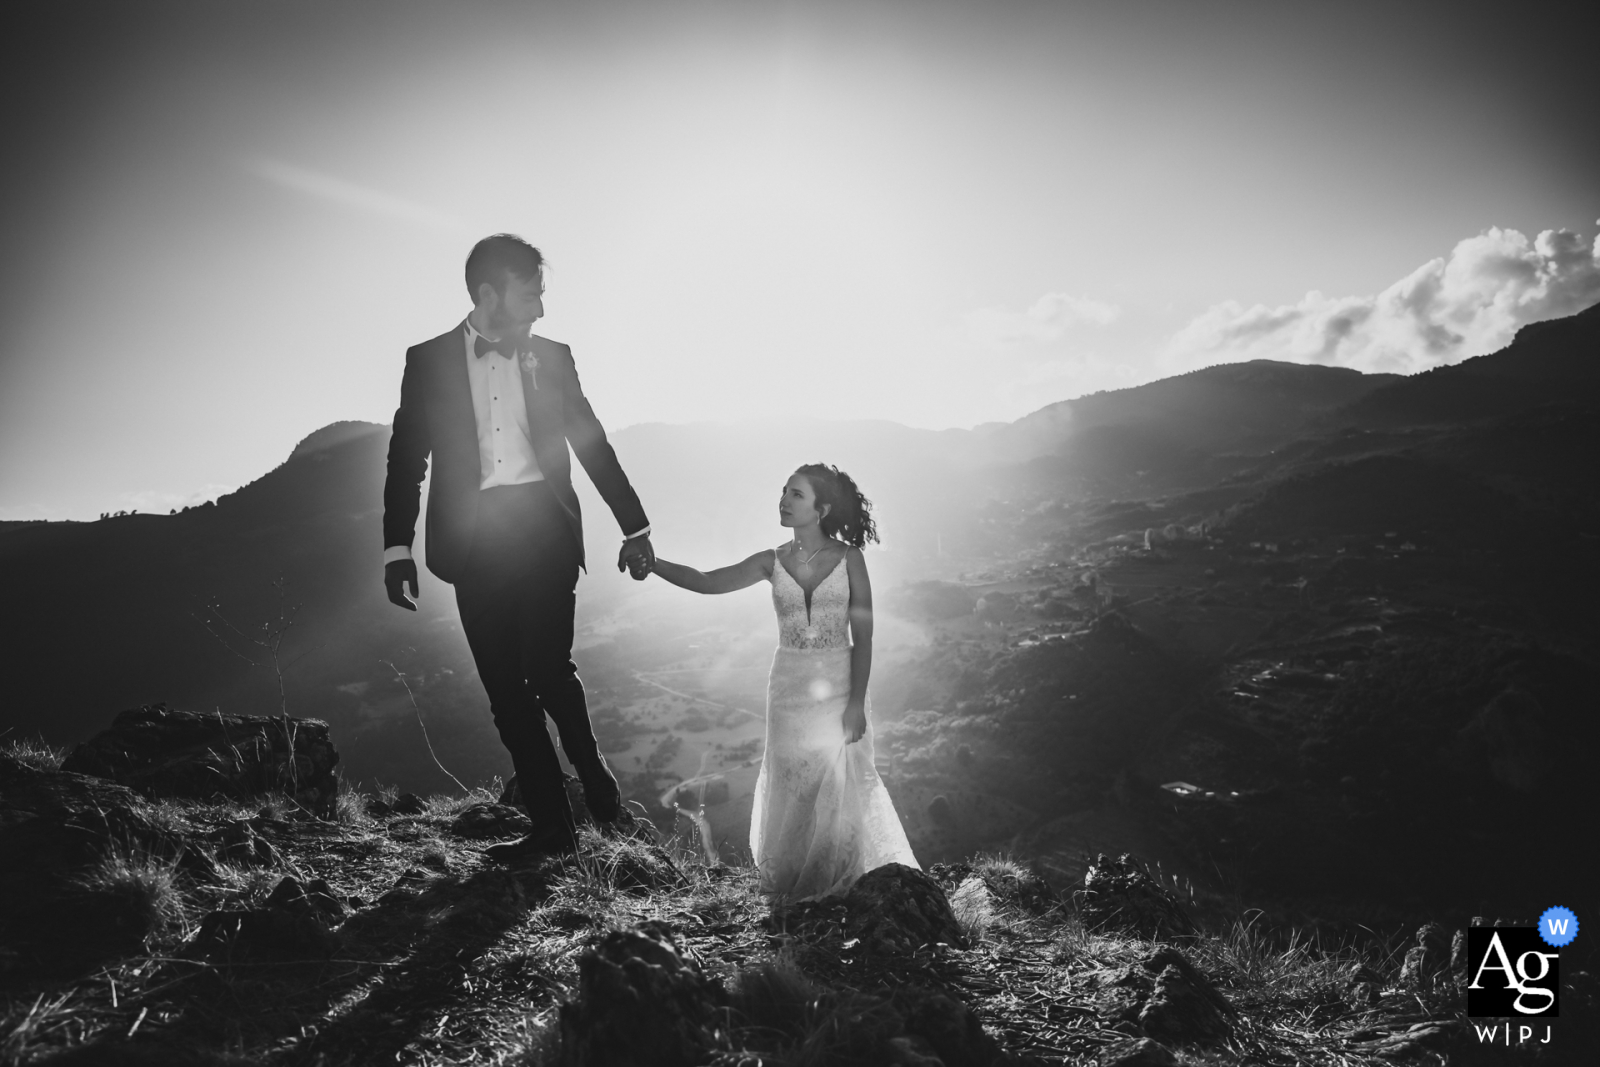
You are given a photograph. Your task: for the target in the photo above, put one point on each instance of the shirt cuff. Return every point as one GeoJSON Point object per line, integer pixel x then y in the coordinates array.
{"type": "Point", "coordinates": [638, 533]}
{"type": "Point", "coordinates": [394, 552]}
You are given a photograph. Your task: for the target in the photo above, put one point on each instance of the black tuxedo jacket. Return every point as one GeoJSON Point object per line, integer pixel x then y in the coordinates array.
{"type": "Point", "coordinates": [436, 417]}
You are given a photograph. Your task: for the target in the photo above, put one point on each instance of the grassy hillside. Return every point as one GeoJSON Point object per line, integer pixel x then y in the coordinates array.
{"type": "Point", "coordinates": [426, 954]}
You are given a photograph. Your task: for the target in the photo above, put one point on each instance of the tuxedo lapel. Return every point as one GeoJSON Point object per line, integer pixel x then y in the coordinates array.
{"type": "Point", "coordinates": [542, 396]}
{"type": "Point", "coordinates": [455, 387]}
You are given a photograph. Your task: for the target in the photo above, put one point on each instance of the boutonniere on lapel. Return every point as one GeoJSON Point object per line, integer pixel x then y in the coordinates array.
{"type": "Point", "coordinates": [530, 364]}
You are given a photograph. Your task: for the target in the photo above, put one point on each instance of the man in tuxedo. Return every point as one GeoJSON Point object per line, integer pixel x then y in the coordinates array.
{"type": "Point", "coordinates": [496, 406]}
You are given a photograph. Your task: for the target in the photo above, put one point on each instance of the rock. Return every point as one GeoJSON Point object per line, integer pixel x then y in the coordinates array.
{"type": "Point", "coordinates": [1458, 957]}
{"type": "Point", "coordinates": [949, 1028]}
{"type": "Point", "coordinates": [407, 887]}
{"type": "Point", "coordinates": [912, 1027]}
{"type": "Point", "coordinates": [160, 752]}
{"type": "Point", "coordinates": [408, 804]}
{"type": "Point", "coordinates": [57, 831]}
{"type": "Point", "coordinates": [638, 1002]}
{"type": "Point", "coordinates": [1166, 997]}
{"type": "Point", "coordinates": [491, 820]}
{"type": "Point", "coordinates": [1179, 1011]}
{"type": "Point", "coordinates": [1139, 1052]}
{"type": "Point", "coordinates": [1007, 881]}
{"type": "Point", "coordinates": [1429, 959]}
{"type": "Point", "coordinates": [296, 923]}
{"type": "Point", "coordinates": [899, 909]}
{"type": "Point", "coordinates": [1121, 894]}
{"type": "Point", "coordinates": [1363, 988]}
{"type": "Point", "coordinates": [313, 899]}
{"type": "Point", "coordinates": [237, 842]}
{"type": "Point", "coordinates": [1167, 956]}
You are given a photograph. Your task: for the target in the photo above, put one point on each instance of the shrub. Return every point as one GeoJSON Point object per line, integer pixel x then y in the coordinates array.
{"type": "Point", "coordinates": [128, 899]}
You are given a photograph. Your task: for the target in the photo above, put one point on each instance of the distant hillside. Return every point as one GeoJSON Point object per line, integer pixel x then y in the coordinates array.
{"type": "Point", "coordinates": [1554, 362]}
{"type": "Point", "coordinates": [110, 614]}
{"type": "Point", "coordinates": [1252, 406]}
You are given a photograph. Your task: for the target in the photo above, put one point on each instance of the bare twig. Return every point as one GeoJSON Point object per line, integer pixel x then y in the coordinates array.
{"type": "Point", "coordinates": [426, 740]}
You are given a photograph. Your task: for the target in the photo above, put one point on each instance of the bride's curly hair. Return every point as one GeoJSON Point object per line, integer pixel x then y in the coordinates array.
{"type": "Point", "coordinates": [849, 516]}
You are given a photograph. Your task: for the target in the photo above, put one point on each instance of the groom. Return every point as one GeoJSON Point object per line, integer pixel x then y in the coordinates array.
{"type": "Point", "coordinates": [496, 406]}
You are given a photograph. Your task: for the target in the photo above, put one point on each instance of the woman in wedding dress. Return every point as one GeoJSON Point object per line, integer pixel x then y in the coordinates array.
{"type": "Point", "coordinates": [822, 817]}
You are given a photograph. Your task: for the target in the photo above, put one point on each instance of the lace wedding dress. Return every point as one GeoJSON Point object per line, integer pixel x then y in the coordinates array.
{"type": "Point", "coordinates": [822, 817]}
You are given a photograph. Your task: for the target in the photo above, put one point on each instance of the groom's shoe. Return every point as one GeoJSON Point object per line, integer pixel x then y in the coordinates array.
{"type": "Point", "coordinates": [556, 841]}
{"type": "Point", "coordinates": [601, 795]}
{"type": "Point", "coordinates": [604, 804]}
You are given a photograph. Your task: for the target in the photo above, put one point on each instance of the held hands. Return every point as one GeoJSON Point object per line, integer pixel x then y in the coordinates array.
{"type": "Point", "coordinates": [637, 557]}
{"type": "Point", "coordinates": [396, 575]}
{"type": "Point", "coordinates": [855, 721]}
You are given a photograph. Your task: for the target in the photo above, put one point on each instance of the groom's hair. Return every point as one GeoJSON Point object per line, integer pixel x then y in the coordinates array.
{"type": "Point", "coordinates": [499, 256]}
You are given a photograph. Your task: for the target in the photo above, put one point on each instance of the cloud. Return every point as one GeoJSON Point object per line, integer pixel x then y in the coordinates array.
{"type": "Point", "coordinates": [365, 198]}
{"type": "Point", "coordinates": [1049, 317]}
{"type": "Point", "coordinates": [1466, 304]}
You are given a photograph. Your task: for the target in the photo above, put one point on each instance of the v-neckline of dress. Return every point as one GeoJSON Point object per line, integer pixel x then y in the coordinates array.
{"type": "Point", "coordinates": [804, 592]}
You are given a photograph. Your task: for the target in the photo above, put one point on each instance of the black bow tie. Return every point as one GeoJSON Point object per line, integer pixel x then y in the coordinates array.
{"type": "Point", "coordinates": [509, 347]}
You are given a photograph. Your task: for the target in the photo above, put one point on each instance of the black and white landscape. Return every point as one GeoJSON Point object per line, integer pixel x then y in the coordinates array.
{"type": "Point", "coordinates": [1354, 611]}
{"type": "Point", "coordinates": [1225, 381]}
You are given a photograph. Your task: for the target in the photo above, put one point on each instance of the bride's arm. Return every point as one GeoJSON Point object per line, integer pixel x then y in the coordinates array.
{"type": "Point", "coordinates": [855, 711]}
{"type": "Point", "coordinates": [741, 575]}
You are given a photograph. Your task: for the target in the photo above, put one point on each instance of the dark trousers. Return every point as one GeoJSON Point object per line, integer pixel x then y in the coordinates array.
{"type": "Point", "coordinates": [516, 601]}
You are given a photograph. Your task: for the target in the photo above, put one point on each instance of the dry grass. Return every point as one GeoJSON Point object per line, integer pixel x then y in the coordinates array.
{"type": "Point", "coordinates": [142, 890]}
{"type": "Point", "coordinates": [34, 753]}
{"type": "Point", "coordinates": [447, 959]}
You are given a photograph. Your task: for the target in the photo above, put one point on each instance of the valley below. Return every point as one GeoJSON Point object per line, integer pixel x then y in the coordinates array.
{"type": "Point", "coordinates": [1320, 640]}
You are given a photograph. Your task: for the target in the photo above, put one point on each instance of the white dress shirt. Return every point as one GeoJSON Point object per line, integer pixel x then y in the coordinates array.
{"type": "Point", "coordinates": [505, 447]}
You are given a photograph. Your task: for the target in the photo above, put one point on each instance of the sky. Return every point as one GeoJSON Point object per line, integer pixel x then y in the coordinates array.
{"type": "Point", "coordinates": [225, 222]}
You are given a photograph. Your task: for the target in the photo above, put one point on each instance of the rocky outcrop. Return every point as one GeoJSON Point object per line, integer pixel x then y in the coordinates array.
{"type": "Point", "coordinates": [1165, 997]}
{"type": "Point", "coordinates": [297, 922]}
{"type": "Point", "coordinates": [639, 1001]}
{"type": "Point", "coordinates": [1121, 894]}
{"type": "Point", "coordinates": [899, 909]}
{"type": "Point", "coordinates": [83, 868]}
{"type": "Point", "coordinates": [160, 752]}
{"type": "Point", "coordinates": [940, 1030]}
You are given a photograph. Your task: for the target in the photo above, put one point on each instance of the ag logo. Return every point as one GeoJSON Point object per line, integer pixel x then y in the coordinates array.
{"type": "Point", "coordinates": [1510, 972]}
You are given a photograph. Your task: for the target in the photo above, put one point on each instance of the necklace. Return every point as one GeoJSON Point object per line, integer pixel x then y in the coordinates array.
{"type": "Point", "coordinates": [804, 566]}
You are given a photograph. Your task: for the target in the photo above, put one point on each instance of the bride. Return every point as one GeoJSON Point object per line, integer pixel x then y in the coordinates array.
{"type": "Point", "coordinates": [822, 817]}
